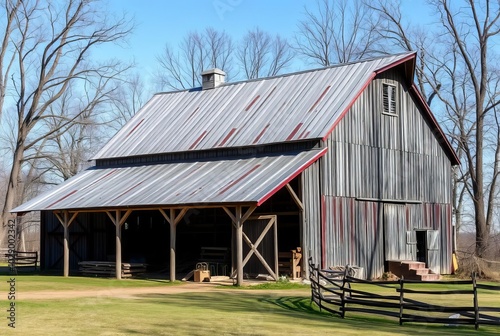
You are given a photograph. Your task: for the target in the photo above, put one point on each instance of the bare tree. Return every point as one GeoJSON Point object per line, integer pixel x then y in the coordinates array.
{"type": "Point", "coordinates": [261, 55]}
{"type": "Point", "coordinates": [180, 67]}
{"type": "Point", "coordinates": [335, 32]}
{"type": "Point", "coordinates": [126, 100]}
{"type": "Point", "coordinates": [468, 69]}
{"type": "Point", "coordinates": [7, 57]}
{"type": "Point", "coordinates": [51, 45]}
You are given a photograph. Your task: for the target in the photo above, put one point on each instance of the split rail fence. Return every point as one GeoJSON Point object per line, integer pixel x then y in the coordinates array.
{"type": "Point", "coordinates": [336, 292]}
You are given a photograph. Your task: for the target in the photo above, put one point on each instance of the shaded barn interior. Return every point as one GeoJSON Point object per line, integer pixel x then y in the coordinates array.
{"type": "Point", "coordinates": [146, 236]}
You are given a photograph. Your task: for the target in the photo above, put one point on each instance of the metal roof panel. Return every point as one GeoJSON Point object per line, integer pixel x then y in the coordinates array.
{"type": "Point", "coordinates": [248, 180]}
{"type": "Point", "coordinates": [291, 107]}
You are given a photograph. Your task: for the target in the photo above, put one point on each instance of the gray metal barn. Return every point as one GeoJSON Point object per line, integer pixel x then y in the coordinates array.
{"type": "Point", "coordinates": [348, 160]}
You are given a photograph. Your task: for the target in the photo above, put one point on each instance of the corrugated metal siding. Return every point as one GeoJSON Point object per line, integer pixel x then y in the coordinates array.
{"type": "Point", "coordinates": [376, 156]}
{"type": "Point", "coordinates": [373, 155]}
{"type": "Point", "coordinates": [354, 235]}
{"type": "Point", "coordinates": [209, 182]}
{"type": "Point", "coordinates": [87, 239]}
{"type": "Point", "coordinates": [311, 198]}
{"type": "Point", "coordinates": [287, 108]}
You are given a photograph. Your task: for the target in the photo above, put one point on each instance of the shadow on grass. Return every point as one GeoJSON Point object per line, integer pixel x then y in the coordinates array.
{"type": "Point", "coordinates": [303, 312]}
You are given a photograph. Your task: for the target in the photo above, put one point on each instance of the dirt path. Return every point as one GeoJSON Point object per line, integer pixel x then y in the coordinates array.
{"type": "Point", "coordinates": [117, 292]}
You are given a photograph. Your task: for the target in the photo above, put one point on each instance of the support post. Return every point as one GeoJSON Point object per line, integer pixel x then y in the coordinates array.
{"type": "Point", "coordinates": [239, 247]}
{"type": "Point", "coordinates": [66, 221]}
{"type": "Point", "coordinates": [173, 220]}
{"type": "Point", "coordinates": [66, 247]}
{"type": "Point", "coordinates": [173, 234]}
{"type": "Point", "coordinates": [118, 220]}
{"type": "Point", "coordinates": [118, 240]}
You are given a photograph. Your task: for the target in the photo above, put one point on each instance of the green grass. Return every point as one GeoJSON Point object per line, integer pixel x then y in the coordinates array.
{"type": "Point", "coordinates": [215, 313]}
{"type": "Point", "coordinates": [220, 312]}
{"type": "Point", "coordinates": [30, 283]}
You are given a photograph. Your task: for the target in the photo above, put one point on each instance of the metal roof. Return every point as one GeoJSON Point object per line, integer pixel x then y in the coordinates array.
{"type": "Point", "coordinates": [298, 106]}
{"type": "Point", "coordinates": [250, 180]}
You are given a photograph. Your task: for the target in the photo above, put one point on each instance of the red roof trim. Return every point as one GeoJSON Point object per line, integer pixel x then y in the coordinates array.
{"type": "Point", "coordinates": [126, 191]}
{"type": "Point", "coordinates": [253, 102]}
{"type": "Point", "coordinates": [198, 140]}
{"type": "Point", "coordinates": [232, 184]}
{"type": "Point", "coordinates": [452, 154]}
{"type": "Point", "coordinates": [291, 177]}
{"type": "Point", "coordinates": [231, 132]}
{"type": "Point", "coordinates": [267, 97]}
{"type": "Point", "coordinates": [261, 134]}
{"type": "Point", "coordinates": [295, 130]}
{"type": "Point", "coordinates": [135, 127]}
{"type": "Point", "coordinates": [401, 61]}
{"type": "Point", "coordinates": [193, 113]}
{"type": "Point", "coordinates": [62, 198]}
{"type": "Point", "coordinates": [319, 99]}
{"type": "Point", "coordinates": [349, 106]}
{"type": "Point", "coordinates": [99, 179]}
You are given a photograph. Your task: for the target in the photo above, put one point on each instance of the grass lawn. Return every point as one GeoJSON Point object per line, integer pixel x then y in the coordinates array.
{"type": "Point", "coordinates": [29, 283]}
{"type": "Point", "coordinates": [218, 312]}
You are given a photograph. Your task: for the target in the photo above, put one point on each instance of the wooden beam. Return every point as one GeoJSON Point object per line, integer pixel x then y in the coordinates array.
{"type": "Point", "coordinates": [230, 214]}
{"type": "Point", "coordinates": [295, 198]}
{"type": "Point", "coordinates": [254, 246]}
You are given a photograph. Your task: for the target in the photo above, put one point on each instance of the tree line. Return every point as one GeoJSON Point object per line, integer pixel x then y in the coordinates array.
{"type": "Point", "coordinates": [58, 103]}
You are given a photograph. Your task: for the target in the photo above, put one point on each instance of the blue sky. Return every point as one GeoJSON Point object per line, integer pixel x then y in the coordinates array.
{"type": "Point", "coordinates": [159, 21]}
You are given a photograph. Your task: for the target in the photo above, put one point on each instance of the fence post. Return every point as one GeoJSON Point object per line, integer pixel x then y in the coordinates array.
{"type": "Point", "coordinates": [476, 305]}
{"type": "Point", "coordinates": [401, 299]}
{"type": "Point", "coordinates": [342, 298]}
{"type": "Point", "coordinates": [319, 287]}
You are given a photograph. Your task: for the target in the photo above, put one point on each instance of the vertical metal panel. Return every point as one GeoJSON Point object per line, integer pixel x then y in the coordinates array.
{"type": "Point", "coordinates": [433, 251]}
{"type": "Point", "coordinates": [311, 198]}
{"type": "Point", "coordinates": [411, 245]}
{"type": "Point", "coordinates": [354, 235]}
{"type": "Point", "coordinates": [395, 229]}
{"type": "Point", "coordinates": [375, 155]}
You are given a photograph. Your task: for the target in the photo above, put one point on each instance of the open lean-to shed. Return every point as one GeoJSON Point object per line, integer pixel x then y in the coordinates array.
{"type": "Point", "coordinates": [346, 162]}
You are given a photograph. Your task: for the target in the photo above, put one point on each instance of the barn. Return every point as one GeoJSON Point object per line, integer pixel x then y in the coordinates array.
{"type": "Point", "coordinates": [346, 162]}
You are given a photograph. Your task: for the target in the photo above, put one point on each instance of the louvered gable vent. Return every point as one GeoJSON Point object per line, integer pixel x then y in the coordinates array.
{"type": "Point", "coordinates": [389, 98]}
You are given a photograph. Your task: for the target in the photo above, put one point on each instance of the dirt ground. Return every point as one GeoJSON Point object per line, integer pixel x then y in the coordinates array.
{"type": "Point", "coordinates": [119, 292]}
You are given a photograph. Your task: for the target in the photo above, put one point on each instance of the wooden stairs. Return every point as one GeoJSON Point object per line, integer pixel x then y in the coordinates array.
{"type": "Point", "coordinates": [412, 270]}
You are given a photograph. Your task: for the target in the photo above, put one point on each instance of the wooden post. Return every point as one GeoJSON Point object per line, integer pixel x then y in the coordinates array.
{"type": "Point", "coordinates": [118, 240]}
{"type": "Point", "coordinates": [276, 267]}
{"type": "Point", "coordinates": [239, 247]}
{"type": "Point", "coordinates": [173, 234]}
{"type": "Point", "coordinates": [66, 245]}
{"type": "Point", "coordinates": [66, 221]}
{"type": "Point", "coordinates": [238, 219]}
{"type": "Point", "coordinates": [476, 304]}
{"type": "Point", "coordinates": [173, 220]}
{"type": "Point", "coordinates": [118, 220]}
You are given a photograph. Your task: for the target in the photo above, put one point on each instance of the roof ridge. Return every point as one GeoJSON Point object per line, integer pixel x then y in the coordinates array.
{"type": "Point", "coordinates": [338, 65]}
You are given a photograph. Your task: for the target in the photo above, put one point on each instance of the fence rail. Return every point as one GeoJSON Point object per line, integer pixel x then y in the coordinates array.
{"type": "Point", "coordinates": [332, 291]}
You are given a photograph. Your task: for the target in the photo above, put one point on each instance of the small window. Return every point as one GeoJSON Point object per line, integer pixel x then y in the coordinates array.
{"type": "Point", "coordinates": [389, 98]}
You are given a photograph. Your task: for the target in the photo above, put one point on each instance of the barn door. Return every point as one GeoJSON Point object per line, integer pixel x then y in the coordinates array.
{"type": "Point", "coordinates": [411, 245]}
{"type": "Point", "coordinates": [261, 249]}
{"type": "Point", "coordinates": [433, 247]}
{"type": "Point", "coordinates": [395, 237]}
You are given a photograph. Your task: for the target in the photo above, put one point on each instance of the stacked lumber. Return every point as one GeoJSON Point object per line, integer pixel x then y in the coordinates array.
{"type": "Point", "coordinates": [107, 268]}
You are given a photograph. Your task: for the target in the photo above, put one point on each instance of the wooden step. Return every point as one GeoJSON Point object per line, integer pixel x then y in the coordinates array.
{"type": "Point", "coordinates": [412, 270]}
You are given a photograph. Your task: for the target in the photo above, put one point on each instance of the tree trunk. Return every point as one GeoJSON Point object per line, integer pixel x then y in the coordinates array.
{"type": "Point", "coordinates": [12, 192]}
